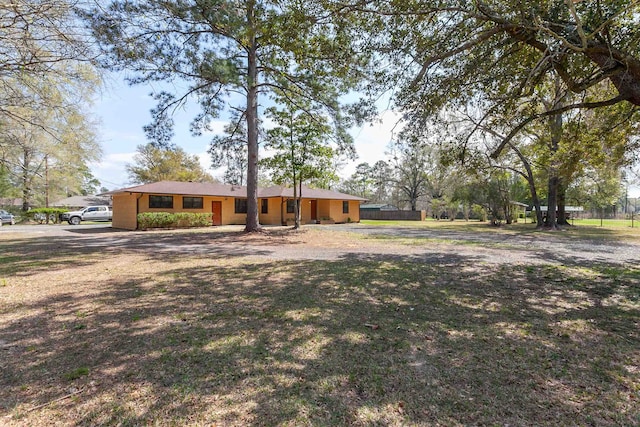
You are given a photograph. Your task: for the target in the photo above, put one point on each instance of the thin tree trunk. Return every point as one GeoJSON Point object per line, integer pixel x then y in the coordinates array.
{"type": "Point", "coordinates": [532, 186]}
{"type": "Point", "coordinates": [299, 202]}
{"type": "Point", "coordinates": [296, 205]}
{"type": "Point", "coordinates": [27, 191]}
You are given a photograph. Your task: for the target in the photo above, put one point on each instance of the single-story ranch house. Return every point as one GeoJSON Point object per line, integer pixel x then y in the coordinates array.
{"type": "Point", "coordinates": [228, 203]}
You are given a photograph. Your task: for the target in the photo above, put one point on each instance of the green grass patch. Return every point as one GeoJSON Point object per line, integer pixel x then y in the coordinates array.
{"type": "Point", "coordinates": [582, 229]}
{"type": "Point", "coordinates": [595, 222]}
{"type": "Point", "coordinates": [76, 373]}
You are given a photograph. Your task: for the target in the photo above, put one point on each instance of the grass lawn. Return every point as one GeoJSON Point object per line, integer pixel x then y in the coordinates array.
{"type": "Point", "coordinates": [585, 228]}
{"type": "Point", "coordinates": [591, 222]}
{"type": "Point", "coordinates": [133, 337]}
{"type": "Point", "coordinates": [594, 222]}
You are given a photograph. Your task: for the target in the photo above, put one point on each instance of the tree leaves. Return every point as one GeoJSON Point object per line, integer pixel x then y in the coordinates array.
{"type": "Point", "coordinates": [153, 163]}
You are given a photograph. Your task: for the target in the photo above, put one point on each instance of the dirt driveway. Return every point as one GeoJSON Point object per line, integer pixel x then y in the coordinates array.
{"type": "Point", "coordinates": [336, 242]}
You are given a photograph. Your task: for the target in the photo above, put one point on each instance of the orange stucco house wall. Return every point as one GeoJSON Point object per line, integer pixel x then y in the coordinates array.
{"type": "Point", "coordinates": [272, 206]}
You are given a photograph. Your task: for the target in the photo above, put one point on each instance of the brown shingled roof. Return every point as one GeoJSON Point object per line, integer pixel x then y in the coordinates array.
{"type": "Point", "coordinates": [82, 201]}
{"type": "Point", "coordinates": [225, 190]}
{"type": "Point", "coordinates": [186, 188]}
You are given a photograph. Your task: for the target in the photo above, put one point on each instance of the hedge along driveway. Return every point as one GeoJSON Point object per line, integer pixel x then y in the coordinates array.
{"type": "Point", "coordinates": [153, 328]}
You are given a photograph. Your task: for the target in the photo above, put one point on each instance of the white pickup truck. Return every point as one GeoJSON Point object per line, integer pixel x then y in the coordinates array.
{"type": "Point", "coordinates": [90, 213]}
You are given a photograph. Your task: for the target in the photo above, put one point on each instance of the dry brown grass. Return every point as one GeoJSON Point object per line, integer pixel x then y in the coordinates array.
{"type": "Point", "coordinates": [130, 336]}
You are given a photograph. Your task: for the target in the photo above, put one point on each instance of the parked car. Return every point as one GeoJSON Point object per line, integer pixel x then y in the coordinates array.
{"type": "Point", "coordinates": [90, 213]}
{"type": "Point", "coordinates": [6, 218]}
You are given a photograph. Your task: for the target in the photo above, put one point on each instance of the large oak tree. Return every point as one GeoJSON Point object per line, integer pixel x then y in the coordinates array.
{"type": "Point", "coordinates": [494, 54]}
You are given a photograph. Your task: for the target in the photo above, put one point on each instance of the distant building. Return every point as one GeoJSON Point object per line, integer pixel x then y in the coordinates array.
{"type": "Point", "coordinates": [8, 202]}
{"type": "Point", "coordinates": [566, 209]}
{"type": "Point", "coordinates": [570, 211]}
{"type": "Point", "coordinates": [376, 207]}
{"type": "Point", "coordinates": [81, 202]}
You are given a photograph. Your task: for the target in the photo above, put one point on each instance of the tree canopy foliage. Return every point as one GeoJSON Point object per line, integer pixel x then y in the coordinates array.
{"type": "Point", "coordinates": [153, 163]}
{"type": "Point", "coordinates": [47, 81]}
{"type": "Point", "coordinates": [494, 55]}
{"type": "Point", "coordinates": [45, 55]}
{"type": "Point", "coordinates": [229, 151]}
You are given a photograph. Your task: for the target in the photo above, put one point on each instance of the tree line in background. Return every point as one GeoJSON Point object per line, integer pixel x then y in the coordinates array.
{"type": "Point", "coordinates": [48, 79]}
{"type": "Point", "coordinates": [506, 101]}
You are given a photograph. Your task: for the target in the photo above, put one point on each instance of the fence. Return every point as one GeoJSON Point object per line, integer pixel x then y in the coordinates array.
{"type": "Point", "coordinates": [394, 215]}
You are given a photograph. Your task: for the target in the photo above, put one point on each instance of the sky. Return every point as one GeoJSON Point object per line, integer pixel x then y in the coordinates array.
{"type": "Point", "coordinates": [123, 110]}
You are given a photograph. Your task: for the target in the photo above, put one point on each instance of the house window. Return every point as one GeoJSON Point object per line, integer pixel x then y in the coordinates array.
{"type": "Point", "coordinates": [161, 202]}
{"type": "Point", "coordinates": [345, 207]}
{"type": "Point", "coordinates": [192, 203]}
{"type": "Point", "coordinates": [265, 206]}
{"type": "Point", "coordinates": [291, 206]}
{"type": "Point", "coordinates": [241, 205]}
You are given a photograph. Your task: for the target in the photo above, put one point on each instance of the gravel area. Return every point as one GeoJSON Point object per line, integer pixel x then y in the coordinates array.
{"type": "Point", "coordinates": [338, 242]}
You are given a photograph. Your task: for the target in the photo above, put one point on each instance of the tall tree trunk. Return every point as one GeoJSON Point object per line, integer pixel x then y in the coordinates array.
{"type": "Point", "coordinates": [561, 197]}
{"type": "Point", "coordinates": [253, 220]}
{"type": "Point", "coordinates": [552, 206]}
{"type": "Point", "coordinates": [555, 126]}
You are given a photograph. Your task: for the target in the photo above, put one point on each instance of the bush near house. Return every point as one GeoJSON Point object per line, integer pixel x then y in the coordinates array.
{"type": "Point", "coordinates": [148, 220]}
{"type": "Point", "coordinates": [43, 215]}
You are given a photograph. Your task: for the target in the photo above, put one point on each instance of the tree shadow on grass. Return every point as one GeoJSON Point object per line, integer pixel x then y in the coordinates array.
{"type": "Point", "coordinates": [28, 256]}
{"type": "Point", "coordinates": [366, 339]}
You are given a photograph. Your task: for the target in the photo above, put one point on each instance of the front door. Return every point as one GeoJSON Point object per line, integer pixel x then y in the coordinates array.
{"type": "Point", "coordinates": [314, 210]}
{"type": "Point", "coordinates": [216, 213]}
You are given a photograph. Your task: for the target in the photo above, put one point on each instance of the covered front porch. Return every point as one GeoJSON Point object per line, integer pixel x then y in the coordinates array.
{"type": "Point", "coordinates": [281, 210]}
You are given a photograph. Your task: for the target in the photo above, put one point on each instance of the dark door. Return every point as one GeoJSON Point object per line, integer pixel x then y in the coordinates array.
{"type": "Point", "coordinates": [314, 210]}
{"type": "Point", "coordinates": [216, 213]}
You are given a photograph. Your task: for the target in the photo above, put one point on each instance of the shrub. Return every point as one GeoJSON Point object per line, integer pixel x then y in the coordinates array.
{"type": "Point", "coordinates": [173, 220]}
{"type": "Point", "coordinates": [189, 219]}
{"type": "Point", "coordinates": [45, 214]}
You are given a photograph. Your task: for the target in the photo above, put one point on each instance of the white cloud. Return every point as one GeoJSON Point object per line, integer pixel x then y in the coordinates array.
{"type": "Point", "coordinates": [118, 158]}
{"type": "Point", "coordinates": [217, 128]}
{"type": "Point", "coordinates": [110, 171]}
{"type": "Point", "coordinates": [205, 162]}
{"type": "Point", "coordinates": [132, 138]}
{"type": "Point", "coordinates": [371, 141]}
